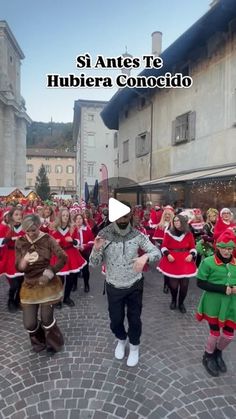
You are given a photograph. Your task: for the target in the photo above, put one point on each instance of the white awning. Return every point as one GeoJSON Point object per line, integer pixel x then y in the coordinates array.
{"type": "Point", "coordinates": [194, 175]}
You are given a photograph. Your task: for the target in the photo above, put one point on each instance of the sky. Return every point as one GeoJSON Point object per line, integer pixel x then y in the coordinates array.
{"type": "Point", "coordinates": [52, 33]}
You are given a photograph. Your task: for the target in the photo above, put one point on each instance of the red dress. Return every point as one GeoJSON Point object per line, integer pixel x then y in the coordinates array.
{"type": "Point", "coordinates": [7, 262]}
{"type": "Point", "coordinates": [75, 262]}
{"type": "Point", "coordinates": [86, 239]}
{"type": "Point", "coordinates": [179, 247]}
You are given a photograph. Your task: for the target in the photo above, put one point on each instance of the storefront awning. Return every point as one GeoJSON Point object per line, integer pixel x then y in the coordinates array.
{"type": "Point", "coordinates": [194, 175]}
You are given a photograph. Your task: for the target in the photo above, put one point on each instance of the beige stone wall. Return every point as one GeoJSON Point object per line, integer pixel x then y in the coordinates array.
{"type": "Point", "coordinates": [212, 97]}
{"type": "Point", "coordinates": [57, 181]}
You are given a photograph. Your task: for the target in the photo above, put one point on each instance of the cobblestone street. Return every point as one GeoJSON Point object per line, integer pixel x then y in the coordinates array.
{"type": "Point", "coordinates": [85, 381]}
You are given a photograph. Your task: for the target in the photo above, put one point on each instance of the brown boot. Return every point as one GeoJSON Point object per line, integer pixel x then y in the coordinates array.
{"type": "Point", "coordinates": [37, 338]}
{"type": "Point", "coordinates": [54, 337]}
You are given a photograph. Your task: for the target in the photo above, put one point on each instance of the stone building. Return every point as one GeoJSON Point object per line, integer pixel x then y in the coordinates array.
{"type": "Point", "coordinates": [96, 145]}
{"type": "Point", "coordinates": [180, 144]}
{"type": "Point", "coordinates": [13, 117]}
{"type": "Point", "coordinates": [60, 167]}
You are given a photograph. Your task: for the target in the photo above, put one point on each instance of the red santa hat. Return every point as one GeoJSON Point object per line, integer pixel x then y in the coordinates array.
{"type": "Point", "coordinates": [226, 239]}
{"type": "Point", "coordinates": [169, 208]}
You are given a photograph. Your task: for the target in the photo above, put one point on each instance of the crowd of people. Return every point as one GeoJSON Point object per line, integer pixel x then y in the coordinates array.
{"type": "Point", "coordinates": [45, 247]}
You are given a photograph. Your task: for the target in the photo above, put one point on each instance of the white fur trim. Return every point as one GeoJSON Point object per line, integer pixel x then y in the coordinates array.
{"type": "Point", "coordinates": [49, 327]}
{"type": "Point", "coordinates": [177, 276]}
{"type": "Point", "coordinates": [18, 229]}
{"type": "Point", "coordinates": [72, 271]}
{"type": "Point", "coordinates": [63, 232]}
{"type": "Point", "coordinates": [193, 251]}
{"type": "Point", "coordinates": [77, 245]}
{"type": "Point", "coordinates": [163, 249]}
{"type": "Point", "coordinates": [177, 238]}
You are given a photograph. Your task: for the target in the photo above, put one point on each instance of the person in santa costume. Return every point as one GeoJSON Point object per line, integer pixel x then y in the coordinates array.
{"type": "Point", "coordinates": [224, 221]}
{"type": "Point", "coordinates": [155, 213]}
{"type": "Point", "coordinates": [86, 242]}
{"type": "Point", "coordinates": [68, 238]}
{"type": "Point", "coordinates": [217, 277]}
{"type": "Point", "coordinates": [178, 249]}
{"type": "Point", "coordinates": [147, 224]}
{"type": "Point", "coordinates": [158, 236]}
{"type": "Point", "coordinates": [47, 219]}
{"type": "Point", "coordinates": [8, 234]}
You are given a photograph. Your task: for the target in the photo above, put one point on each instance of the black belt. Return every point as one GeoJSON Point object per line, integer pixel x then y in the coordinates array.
{"type": "Point", "coordinates": [179, 250]}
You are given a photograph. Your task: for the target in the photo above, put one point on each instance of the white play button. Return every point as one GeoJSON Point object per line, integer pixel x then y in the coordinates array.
{"type": "Point", "coordinates": [117, 209]}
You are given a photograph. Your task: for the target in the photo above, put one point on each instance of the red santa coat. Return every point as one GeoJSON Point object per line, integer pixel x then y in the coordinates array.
{"type": "Point", "coordinates": [86, 239]}
{"type": "Point", "coordinates": [179, 247]}
{"type": "Point", "coordinates": [75, 262]}
{"type": "Point", "coordinates": [159, 232]}
{"type": "Point", "coordinates": [221, 226]}
{"type": "Point", "coordinates": [7, 262]}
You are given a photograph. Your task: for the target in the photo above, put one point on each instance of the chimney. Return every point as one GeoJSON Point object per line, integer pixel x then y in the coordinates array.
{"type": "Point", "coordinates": [156, 43]}
{"type": "Point", "coordinates": [126, 70]}
{"type": "Point", "coordinates": [213, 3]}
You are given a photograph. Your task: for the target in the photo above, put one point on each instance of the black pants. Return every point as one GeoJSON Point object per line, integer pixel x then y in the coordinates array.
{"type": "Point", "coordinates": [180, 284]}
{"type": "Point", "coordinates": [70, 279]}
{"type": "Point", "coordinates": [14, 290]}
{"type": "Point", "coordinates": [131, 298]}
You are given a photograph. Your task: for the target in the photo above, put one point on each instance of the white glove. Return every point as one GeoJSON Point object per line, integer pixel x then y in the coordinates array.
{"type": "Point", "coordinates": [48, 273]}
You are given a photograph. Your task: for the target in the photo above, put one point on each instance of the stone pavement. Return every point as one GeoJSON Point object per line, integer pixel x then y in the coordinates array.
{"type": "Point", "coordinates": [84, 380]}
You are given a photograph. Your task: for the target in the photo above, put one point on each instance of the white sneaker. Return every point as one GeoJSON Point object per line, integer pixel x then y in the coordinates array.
{"type": "Point", "coordinates": [120, 349]}
{"type": "Point", "coordinates": [133, 355]}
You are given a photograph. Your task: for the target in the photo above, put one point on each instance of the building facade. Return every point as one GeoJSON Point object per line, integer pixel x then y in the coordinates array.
{"type": "Point", "coordinates": [97, 146]}
{"type": "Point", "coordinates": [13, 117]}
{"type": "Point", "coordinates": [180, 144]}
{"type": "Point", "coordinates": [60, 168]}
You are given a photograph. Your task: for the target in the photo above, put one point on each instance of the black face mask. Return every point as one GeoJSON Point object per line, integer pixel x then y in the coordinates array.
{"type": "Point", "coordinates": [123, 226]}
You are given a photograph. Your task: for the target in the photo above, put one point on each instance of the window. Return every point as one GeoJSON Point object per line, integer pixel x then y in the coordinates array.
{"type": "Point", "coordinates": [91, 140]}
{"type": "Point", "coordinates": [125, 151]}
{"type": "Point", "coordinates": [69, 169]}
{"type": "Point", "coordinates": [29, 158]}
{"type": "Point", "coordinates": [91, 169]}
{"type": "Point", "coordinates": [29, 168]}
{"type": "Point", "coordinates": [115, 140]}
{"type": "Point", "coordinates": [70, 182]}
{"type": "Point", "coordinates": [30, 182]}
{"type": "Point", "coordinates": [183, 128]}
{"type": "Point", "coordinates": [90, 117]}
{"type": "Point", "coordinates": [142, 144]}
{"type": "Point", "coordinates": [58, 168]}
{"type": "Point", "coordinates": [48, 168]}
{"type": "Point", "coordinates": [46, 158]}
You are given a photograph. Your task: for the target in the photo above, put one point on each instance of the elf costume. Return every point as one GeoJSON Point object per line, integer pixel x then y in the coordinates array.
{"type": "Point", "coordinates": [217, 277]}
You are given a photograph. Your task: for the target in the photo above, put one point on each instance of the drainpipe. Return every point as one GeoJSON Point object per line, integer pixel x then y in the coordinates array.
{"type": "Point", "coordinates": [151, 139]}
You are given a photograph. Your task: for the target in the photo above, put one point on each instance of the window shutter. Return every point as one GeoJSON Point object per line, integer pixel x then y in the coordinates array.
{"type": "Point", "coordinates": [173, 138]}
{"type": "Point", "coordinates": [192, 126]}
{"type": "Point", "coordinates": [137, 146]}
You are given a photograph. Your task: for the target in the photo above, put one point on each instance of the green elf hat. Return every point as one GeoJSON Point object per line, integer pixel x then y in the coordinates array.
{"type": "Point", "coordinates": [226, 239]}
